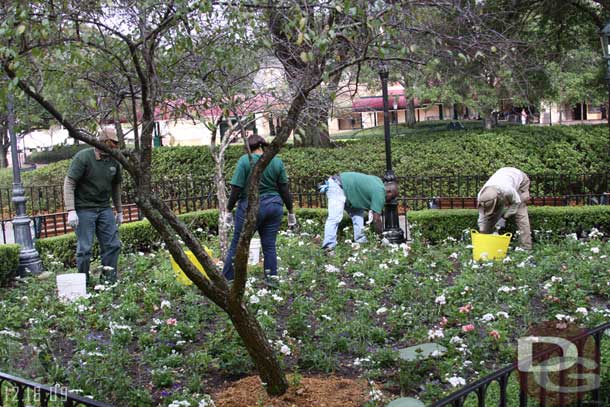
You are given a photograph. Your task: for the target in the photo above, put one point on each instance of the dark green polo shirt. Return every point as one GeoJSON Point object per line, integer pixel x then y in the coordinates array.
{"type": "Point", "coordinates": [94, 179]}
{"type": "Point", "coordinates": [274, 174]}
{"type": "Point", "coordinates": [363, 191]}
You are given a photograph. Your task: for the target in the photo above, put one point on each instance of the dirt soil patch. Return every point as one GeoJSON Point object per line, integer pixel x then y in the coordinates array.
{"type": "Point", "coordinates": [328, 391]}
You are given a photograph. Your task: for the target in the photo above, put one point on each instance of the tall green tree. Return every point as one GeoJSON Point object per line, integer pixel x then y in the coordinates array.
{"type": "Point", "coordinates": [122, 57]}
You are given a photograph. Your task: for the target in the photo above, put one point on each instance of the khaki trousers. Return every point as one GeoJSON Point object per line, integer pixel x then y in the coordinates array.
{"type": "Point", "coordinates": [486, 224]}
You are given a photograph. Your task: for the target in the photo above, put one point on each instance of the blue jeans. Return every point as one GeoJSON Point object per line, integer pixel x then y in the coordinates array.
{"type": "Point", "coordinates": [336, 205]}
{"type": "Point", "coordinates": [268, 221]}
{"type": "Point", "coordinates": [99, 222]}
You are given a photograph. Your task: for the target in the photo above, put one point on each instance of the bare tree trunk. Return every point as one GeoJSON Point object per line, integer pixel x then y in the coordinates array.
{"type": "Point", "coordinates": [582, 112]}
{"type": "Point", "coordinates": [4, 147]}
{"type": "Point", "coordinates": [410, 112]}
{"type": "Point", "coordinates": [221, 194]}
{"type": "Point", "coordinates": [489, 119]}
{"type": "Point", "coordinates": [4, 156]}
{"type": "Point", "coordinates": [258, 348]}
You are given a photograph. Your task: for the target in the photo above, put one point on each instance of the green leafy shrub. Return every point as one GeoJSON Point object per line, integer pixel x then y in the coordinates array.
{"type": "Point", "coordinates": [9, 261]}
{"type": "Point", "coordinates": [535, 150]}
{"type": "Point", "coordinates": [437, 225]}
{"type": "Point", "coordinates": [58, 153]}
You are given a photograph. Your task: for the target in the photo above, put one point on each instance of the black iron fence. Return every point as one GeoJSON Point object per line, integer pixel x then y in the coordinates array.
{"type": "Point", "coordinates": [186, 194]}
{"type": "Point", "coordinates": [577, 380]}
{"type": "Point", "coordinates": [18, 392]}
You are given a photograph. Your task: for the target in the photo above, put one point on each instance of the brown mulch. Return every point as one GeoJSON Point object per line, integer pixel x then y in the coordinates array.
{"type": "Point", "coordinates": [328, 391]}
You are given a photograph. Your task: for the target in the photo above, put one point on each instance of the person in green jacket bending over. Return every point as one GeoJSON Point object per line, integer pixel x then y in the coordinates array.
{"type": "Point", "coordinates": [356, 193]}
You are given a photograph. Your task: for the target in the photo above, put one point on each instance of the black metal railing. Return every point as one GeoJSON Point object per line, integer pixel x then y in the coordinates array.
{"type": "Point", "coordinates": [477, 393]}
{"type": "Point", "coordinates": [188, 193]}
{"type": "Point", "coordinates": [15, 391]}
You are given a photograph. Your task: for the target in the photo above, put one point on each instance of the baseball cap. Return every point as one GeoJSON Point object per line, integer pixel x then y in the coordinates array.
{"type": "Point", "coordinates": [108, 133]}
{"type": "Point", "coordinates": [255, 141]}
{"type": "Point", "coordinates": [488, 200]}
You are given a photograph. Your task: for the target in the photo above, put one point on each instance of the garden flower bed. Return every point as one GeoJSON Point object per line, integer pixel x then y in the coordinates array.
{"type": "Point", "coordinates": [148, 340]}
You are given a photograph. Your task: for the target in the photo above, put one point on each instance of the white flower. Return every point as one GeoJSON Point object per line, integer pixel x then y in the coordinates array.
{"type": "Point", "coordinates": [381, 311]}
{"type": "Point", "coordinates": [116, 327]}
{"type": "Point", "coordinates": [572, 236]}
{"type": "Point", "coordinates": [375, 395]}
{"type": "Point", "coordinates": [505, 289]}
{"type": "Point", "coordinates": [435, 333]}
{"type": "Point", "coordinates": [166, 304]}
{"type": "Point", "coordinates": [358, 274]}
{"type": "Point", "coordinates": [81, 308]}
{"type": "Point", "coordinates": [562, 317]}
{"type": "Point", "coordinates": [254, 300]}
{"type": "Point", "coordinates": [383, 266]}
{"type": "Point", "coordinates": [10, 333]}
{"type": "Point", "coordinates": [506, 260]}
{"type": "Point", "coordinates": [456, 381]}
{"type": "Point", "coordinates": [371, 281]}
{"type": "Point", "coordinates": [455, 339]}
{"type": "Point", "coordinates": [583, 311]}
{"type": "Point", "coordinates": [359, 361]}
{"type": "Point", "coordinates": [331, 269]}
{"type": "Point", "coordinates": [326, 317]}
{"type": "Point", "coordinates": [488, 318]}
{"type": "Point", "coordinates": [441, 300]}
{"type": "Point", "coordinates": [595, 250]}
{"type": "Point", "coordinates": [181, 403]}
{"type": "Point", "coordinates": [556, 279]}
{"type": "Point", "coordinates": [341, 284]}
{"type": "Point", "coordinates": [502, 314]}
{"type": "Point", "coordinates": [262, 292]}
{"type": "Point", "coordinates": [277, 298]}
{"type": "Point", "coordinates": [285, 350]}
{"type": "Point", "coordinates": [453, 256]}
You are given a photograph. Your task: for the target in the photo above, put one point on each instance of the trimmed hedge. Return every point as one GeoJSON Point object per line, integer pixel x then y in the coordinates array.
{"type": "Point", "coordinates": [534, 149]}
{"type": "Point", "coordinates": [437, 225]}
{"type": "Point", "coordinates": [428, 225]}
{"type": "Point", "coordinates": [58, 153]}
{"type": "Point", "coordinates": [9, 261]}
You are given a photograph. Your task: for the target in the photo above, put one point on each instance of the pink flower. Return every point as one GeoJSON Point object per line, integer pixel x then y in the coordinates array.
{"type": "Point", "coordinates": [466, 309]}
{"type": "Point", "coordinates": [171, 321]}
{"type": "Point", "coordinates": [467, 328]}
{"type": "Point", "coordinates": [443, 322]}
{"type": "Point", "coordinates": [495, 334]}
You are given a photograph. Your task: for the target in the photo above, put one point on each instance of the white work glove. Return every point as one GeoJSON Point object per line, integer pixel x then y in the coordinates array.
{"type": "Point", "coordinates": [292, 220]}
{"type": "Point", "coordinates": [73, 219]}
{"type": "Point", "coordinates": [228, 220]}
{"type": "Point", "coordinates": [501, 224]}
{"type": "Point", "coordinates": [118, 218]}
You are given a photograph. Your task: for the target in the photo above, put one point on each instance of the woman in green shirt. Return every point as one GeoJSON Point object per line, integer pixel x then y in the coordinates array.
{"type": "Point", "coordinates": [273, 190]}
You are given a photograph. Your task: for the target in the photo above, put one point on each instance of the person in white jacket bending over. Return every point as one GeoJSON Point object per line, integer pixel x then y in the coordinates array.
{"type": "Point", "coordinates": [505, 194]}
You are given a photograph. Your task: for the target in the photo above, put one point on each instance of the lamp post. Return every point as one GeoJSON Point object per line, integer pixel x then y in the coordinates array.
{"type": "Point", "coordinates": [391, 225]}
{"type": "Point", "coordinates": [29, 259]}
{"type": "Point", "coordinates": [604, 35]}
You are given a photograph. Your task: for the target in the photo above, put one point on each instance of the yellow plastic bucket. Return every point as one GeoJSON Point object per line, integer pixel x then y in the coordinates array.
{"type": "Point", "coordinates": [490, 247]}
{"type": "Point", "coordinates": [180, 276]}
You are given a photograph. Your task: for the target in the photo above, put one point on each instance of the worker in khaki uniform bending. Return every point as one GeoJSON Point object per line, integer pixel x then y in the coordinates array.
{"type": "Point", "coordinates": [94, 177]}
{"type": "Point", "coordinates": [505, 194]}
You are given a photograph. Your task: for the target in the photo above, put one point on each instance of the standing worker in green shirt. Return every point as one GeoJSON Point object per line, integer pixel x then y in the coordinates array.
{"type": "Point", "coordinates": [357, 193]}
{"type": "Point", "coordinates": [93, 177]}
{"type": "Point", "coordinates": [273, 191]}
